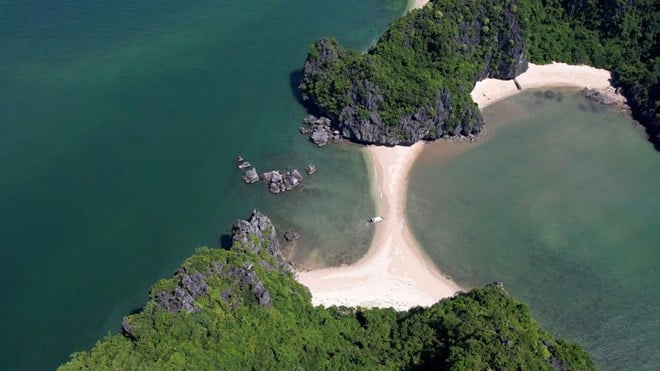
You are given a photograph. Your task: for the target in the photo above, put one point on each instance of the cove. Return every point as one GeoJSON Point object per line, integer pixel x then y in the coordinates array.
{"type": "Point", "coordinates": [560, 202]}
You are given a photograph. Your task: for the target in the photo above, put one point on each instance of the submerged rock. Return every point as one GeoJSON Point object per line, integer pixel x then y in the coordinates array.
{"type": "Point", "coordinates": [310, 169]}
{"type": "Point", "coordinates": [291, 235]}
{"type": "Point", "coordinates": [603, 97]}
{"type": "Point", "coordinates": [259, 226]}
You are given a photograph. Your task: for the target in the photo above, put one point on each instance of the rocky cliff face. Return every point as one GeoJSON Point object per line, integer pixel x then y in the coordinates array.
{"type": "Point", "coordinates": [354, 93]}
{"type": "Point", "coordinates": [640, 100]}
{"type": "Point", "coordinates": [255, 236]}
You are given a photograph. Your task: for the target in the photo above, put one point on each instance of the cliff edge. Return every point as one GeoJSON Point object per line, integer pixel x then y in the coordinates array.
{"type": "Point", "coordinates": [414, 84]}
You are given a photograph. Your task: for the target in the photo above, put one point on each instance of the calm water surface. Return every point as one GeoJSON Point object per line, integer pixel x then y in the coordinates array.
{"type": "Point", "coordinates": [562, 204]}
{"type": "Point", "coordinates": [119, 125]}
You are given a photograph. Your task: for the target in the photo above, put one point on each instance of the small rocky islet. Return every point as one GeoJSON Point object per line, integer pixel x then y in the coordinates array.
{"type": "Point", "coordinates": [275, 180]}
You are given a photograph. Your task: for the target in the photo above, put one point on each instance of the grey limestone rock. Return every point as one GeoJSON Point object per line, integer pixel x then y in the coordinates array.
{"type": "Point", "coordinates": [254, 235]}
{"type": "Point", "coordinates": [321, 129]}
{"type": "Point", "coordinates": [359, 118]}
{"type": "Point", "coordinates": [195, 284]}
{"type": "Point", "coordinates": [320, 137]}
{"type": "Point", "coordinates": [127, 328]}
{"type": "Point", "coordinates": [310, 169]}
{"type": "Point", "coordinates": [278, 182]}
{"type": "Point", "coordinates": [177, 300]}
{"type": "Point", "coordinates": [291, 235]}
{"type": "Point", "coordinates": [601, 97]}
{"type": "Point", "coordinates": [259, 226]}
{"type": "Point", "coordinates": [251, 176]}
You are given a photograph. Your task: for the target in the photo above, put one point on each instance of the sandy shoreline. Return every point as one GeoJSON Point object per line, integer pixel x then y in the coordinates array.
{"type": "Point", "coordinates": [395, 272]}
{"type": "Point", "coordinates": [555, 74]}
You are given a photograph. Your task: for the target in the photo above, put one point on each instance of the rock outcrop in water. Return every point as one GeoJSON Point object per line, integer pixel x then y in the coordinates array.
{"type": "Point", "coordinates": [403, 90]}
{"type": "Point", "coordinates": [251, 176]}
{"type": "Point", "coordinates": [321, 129]}
{"type": "Point", "coordinates": [278, 182]}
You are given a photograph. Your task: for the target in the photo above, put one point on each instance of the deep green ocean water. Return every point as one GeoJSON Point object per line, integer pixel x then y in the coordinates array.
{"type": "Point", "coordinates": [120, 121]}
{"type": "Point", "coordinates": [119, 125]}
{"type": "Point", "coordinates": [561, 204]}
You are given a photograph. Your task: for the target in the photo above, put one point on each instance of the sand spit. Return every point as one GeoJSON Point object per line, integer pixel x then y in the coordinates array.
{"type": "Point", "coordinates": [395, 272]}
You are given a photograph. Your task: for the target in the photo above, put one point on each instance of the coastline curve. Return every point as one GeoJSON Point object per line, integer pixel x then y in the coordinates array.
{"type": "Point", "coordinates": [395, 272]}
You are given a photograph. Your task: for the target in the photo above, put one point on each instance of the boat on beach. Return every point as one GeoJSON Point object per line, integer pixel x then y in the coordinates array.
{"type": "Point", "coordinates": [375, 219]}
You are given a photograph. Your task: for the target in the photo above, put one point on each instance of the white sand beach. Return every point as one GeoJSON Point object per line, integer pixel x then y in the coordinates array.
{"type": "Point", "coordinates": [554, 74]}
{"type": "Point", "coordinates": [395, 272]}
{"type": "Point", "coordinates": [418, 4]}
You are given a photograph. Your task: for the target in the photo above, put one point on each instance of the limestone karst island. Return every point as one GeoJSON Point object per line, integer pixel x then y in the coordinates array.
{"type": "Point", "coordinates": [330, 185]}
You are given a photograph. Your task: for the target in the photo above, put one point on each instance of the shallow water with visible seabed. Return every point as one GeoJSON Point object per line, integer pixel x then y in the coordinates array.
{"type": "Point", "coordinates": [560, 202]}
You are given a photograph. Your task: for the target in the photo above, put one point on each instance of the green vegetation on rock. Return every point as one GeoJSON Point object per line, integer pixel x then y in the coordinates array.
{"type": "Point", "coordinates": [414, 83]}
{"type": "Point", "coordinates": [243, 309]}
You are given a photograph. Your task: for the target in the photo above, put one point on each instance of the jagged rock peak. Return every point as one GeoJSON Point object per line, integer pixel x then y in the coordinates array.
{"type": "Point", "coordinates": [255, 234]}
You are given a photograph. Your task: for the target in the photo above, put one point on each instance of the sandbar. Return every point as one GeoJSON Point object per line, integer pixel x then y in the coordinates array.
{"type": "Point", "coordinates": [395, 272]}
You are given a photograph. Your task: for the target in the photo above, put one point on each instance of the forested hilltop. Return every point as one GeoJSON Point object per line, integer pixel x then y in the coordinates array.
{"type": "Point", "coordinates": [414, 84]}
{"type": "Point", "coordinates": [242, 309]}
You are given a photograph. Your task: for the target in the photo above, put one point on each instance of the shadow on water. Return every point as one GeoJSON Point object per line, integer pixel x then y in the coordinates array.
{"type": "Point", "coordinates": [225, 241]}
{"type": "Point", "coordinates": [136, 311]}
{"type": "Point", "coordinates": [294, 83]}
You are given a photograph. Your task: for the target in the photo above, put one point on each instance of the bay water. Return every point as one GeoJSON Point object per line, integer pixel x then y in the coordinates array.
{"type": "Point", "coordinates": [119, 125]}
{"type": "Point", "coordinates": [561, 202]}
{"type": "Point", "coordinates": [120, 122]}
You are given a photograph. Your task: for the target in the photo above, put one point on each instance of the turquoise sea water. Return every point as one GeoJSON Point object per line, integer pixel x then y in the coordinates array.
{"type": "Point", "coordinates": [119, 125]}
{"type": "Point", "coordinates": [562, 204]}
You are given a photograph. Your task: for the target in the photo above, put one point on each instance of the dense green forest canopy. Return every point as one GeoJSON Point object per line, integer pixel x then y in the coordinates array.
{"type": "Point", "coordinates": [242, 309]}
{"type": "Point", "coordinates": [415, 82]}
{"type": "Point", "coordinates": [619, 35]}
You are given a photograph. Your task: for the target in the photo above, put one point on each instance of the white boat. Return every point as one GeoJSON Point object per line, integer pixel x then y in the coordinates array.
{"type": "Point", "coordinates": [376, 219]}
